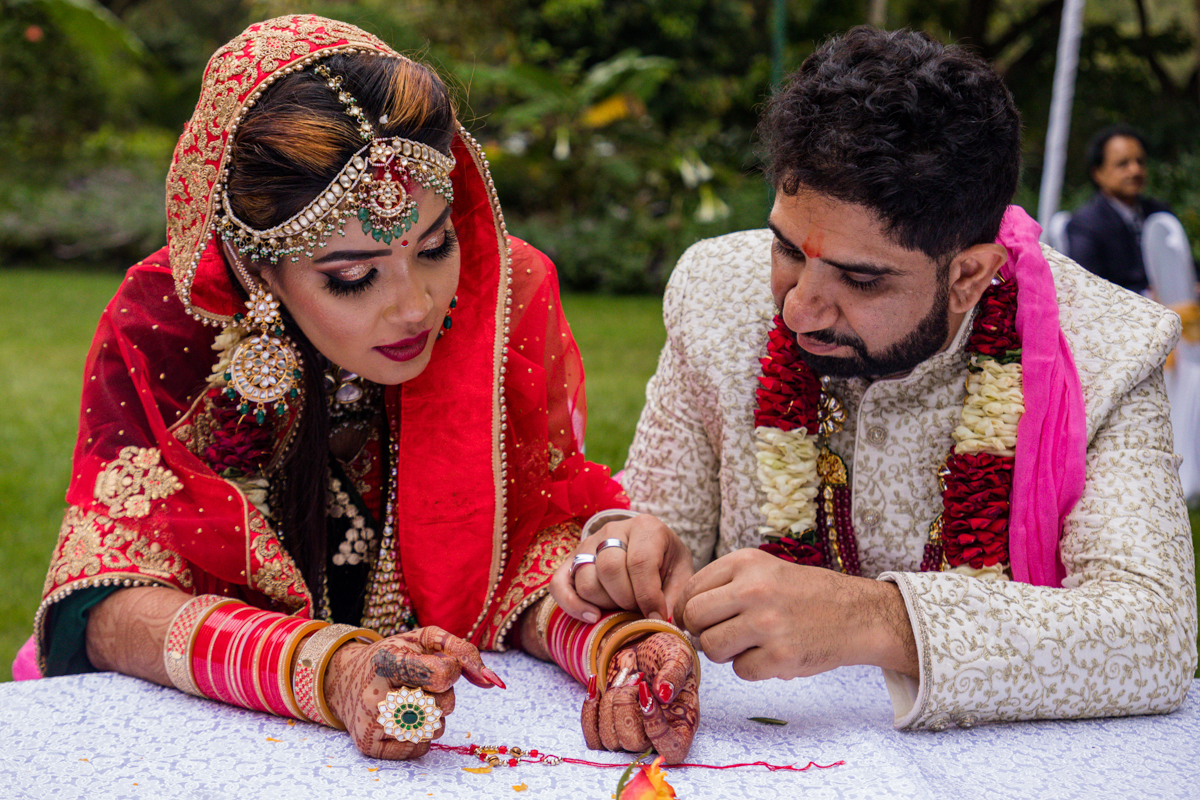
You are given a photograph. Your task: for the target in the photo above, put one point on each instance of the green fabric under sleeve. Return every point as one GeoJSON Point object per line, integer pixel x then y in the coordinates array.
{"type": "Point", "coordinates": [65, 647]}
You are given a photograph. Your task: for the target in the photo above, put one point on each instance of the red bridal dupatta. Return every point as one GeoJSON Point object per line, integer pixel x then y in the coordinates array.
{"type": "Point", "coordinates": [492, 482]}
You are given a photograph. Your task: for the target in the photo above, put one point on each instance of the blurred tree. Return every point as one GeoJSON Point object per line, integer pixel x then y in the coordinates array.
{"type": "Point", "coordinates": [619, 132]}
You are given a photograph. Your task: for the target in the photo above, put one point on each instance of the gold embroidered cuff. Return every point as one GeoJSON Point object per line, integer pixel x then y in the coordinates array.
{"type": "Point", "coordinates": [308, 681]}
{"type": "Point", "coordinates": [632, 630]}
{"type": "Point", "coordinates": [181, 634]}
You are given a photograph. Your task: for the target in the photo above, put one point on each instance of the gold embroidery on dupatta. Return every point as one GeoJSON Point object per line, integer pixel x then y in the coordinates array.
{"type": "Point", "coordinates": [549, 548]}
{"type": "Point", "coordinates": [556, 457]}
{"type": "Point", "coordinates": [276, 574]}
{"type": "Point", "coordinates": [92, 543]}
{"type": "Point", "coordinates": [500, 346]}
{"type": "Point", "coordinates": [133, 481]}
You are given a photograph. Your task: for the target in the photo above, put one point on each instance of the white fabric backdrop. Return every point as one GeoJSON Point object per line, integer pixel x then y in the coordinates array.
{"type": "Point", "coordinates": [108, 736]}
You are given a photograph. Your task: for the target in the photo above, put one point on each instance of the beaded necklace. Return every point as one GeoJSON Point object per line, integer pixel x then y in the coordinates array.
{"type": "Point", "coordinates": [806, 484]}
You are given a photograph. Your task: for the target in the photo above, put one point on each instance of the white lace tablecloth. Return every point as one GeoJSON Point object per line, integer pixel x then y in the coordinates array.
{"type": "Point", "coordinates": [108, 736]}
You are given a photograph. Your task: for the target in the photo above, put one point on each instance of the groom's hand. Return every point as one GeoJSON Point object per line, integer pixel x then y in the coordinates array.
{"type": "Point", "coordinates": [647, 574]}
{"type": "Point", "coordinates": [775, 619]}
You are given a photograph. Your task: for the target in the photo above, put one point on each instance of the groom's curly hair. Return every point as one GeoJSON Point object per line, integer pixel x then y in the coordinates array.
{"type": "Point", "coordinates": [923, 134]}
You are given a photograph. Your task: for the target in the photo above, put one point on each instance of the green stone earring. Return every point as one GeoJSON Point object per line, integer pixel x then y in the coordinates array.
{"type": "Point", "coordinates": [448, 323]}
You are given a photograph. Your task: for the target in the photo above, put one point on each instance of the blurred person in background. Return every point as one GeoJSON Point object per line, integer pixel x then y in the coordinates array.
{"type": "Point", "coordinates": [1105, 235]}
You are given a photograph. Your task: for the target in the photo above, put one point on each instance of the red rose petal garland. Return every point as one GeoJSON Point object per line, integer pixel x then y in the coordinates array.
{"type": "Point", "coordinates": [807, 494]}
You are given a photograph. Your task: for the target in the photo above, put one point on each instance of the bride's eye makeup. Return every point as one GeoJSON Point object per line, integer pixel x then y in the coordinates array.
{"type": "Point", "coordinates": [444, 249]}
{"type": "Point", "coordinates": [350, 282]}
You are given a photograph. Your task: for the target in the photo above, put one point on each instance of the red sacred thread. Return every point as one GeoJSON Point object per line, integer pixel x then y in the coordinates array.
{"type": "Point", "coordinates": [537, 757]}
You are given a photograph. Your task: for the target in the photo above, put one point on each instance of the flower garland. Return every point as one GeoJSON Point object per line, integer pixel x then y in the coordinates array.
{"type": "Point", "coordinates": [806, 485]}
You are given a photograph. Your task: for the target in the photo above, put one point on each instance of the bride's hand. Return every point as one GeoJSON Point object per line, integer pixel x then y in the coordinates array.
{"type": "Point", "coordinates": [361, 675]}
{"type": "Point", "coordinates": [652, 700]}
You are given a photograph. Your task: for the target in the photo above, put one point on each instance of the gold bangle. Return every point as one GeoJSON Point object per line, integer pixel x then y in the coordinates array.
{"type": "Point", "coordinates": [181, 633]}
{"type": "Point", "coordinates": [284, 676]}
{"type": "Point", "coordinates": [542, 621]}
{"type": "Point", "coordinates": [629, 631]}
{"type": "Point", "coordinates": [596, 636]}
{"type": "Point", "coordinates": [309, 679]}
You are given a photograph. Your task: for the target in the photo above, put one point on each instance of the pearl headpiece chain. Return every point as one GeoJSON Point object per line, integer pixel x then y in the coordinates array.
{"type": "Point", "coordinates": [373, 187]}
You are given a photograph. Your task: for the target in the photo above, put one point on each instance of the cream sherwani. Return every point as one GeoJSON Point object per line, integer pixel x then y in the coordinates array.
{"type": "Point", "coordinates": [1118, 639]}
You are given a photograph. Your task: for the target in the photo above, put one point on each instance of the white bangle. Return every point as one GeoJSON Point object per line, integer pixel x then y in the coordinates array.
{"type": "Point", "coordinates": [602, 518]}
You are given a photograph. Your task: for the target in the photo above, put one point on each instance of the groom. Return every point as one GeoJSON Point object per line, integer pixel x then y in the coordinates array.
{"type": "Point", "coordinates": [949, 456]}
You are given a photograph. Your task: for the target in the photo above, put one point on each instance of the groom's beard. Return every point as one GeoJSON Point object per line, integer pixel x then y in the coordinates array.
{"type": "Point", "coordinates": [921, 342]}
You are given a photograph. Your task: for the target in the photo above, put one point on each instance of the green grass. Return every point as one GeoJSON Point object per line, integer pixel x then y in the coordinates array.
{"type": "Point", "coordinates": [46, 323]}
{"type": "Point", "coordinates": [620, 338]}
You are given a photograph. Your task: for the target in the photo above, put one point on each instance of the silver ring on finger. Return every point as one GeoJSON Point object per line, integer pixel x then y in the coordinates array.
{"type": "Point", "coordinates": [607, 543]}
{"type": "Point", "coordinates": [580, 560]}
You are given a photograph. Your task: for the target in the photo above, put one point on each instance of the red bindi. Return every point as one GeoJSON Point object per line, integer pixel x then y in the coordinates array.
{"type": "Point", "coordinates": [812, 245]}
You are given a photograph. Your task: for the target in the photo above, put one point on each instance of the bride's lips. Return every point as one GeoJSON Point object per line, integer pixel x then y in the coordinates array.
{"type": "Point", "coordinates": [405, 349]}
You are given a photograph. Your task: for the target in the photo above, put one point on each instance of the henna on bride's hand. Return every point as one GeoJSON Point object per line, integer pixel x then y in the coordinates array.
{"type": "Point", "coordinates": [401, 670]}
{"type": "Point", "coordinates": [667, 661]}
{"type": "Point", "coordinates": [672, 726]}
{"type": "Point", "coordinates": [621, 720]}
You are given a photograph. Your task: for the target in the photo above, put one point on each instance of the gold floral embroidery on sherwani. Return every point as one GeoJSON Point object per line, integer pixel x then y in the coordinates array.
{"type": "Point", "coordinates": [546, 553]}
{"type": "Point", "coordinates": [1120, 639]}
{"type": "Point", "coordinates": [133, 481]}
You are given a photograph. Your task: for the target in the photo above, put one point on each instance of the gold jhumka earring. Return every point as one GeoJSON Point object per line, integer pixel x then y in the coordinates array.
{"type": "Point", "coordinates": [264, 369]}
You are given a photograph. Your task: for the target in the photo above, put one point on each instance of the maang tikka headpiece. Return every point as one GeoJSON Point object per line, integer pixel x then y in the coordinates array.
{"type": "Point", "coordinates": [374, 187]}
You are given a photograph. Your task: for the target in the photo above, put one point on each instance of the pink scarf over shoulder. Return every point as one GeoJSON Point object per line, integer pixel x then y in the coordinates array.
{"type": "Point", "coordinates": [1049, 468]}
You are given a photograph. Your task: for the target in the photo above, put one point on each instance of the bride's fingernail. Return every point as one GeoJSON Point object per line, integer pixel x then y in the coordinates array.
{"type": "Point", "coordinates": [592, 688]}
{"type": "Point", "coordinates": [636, 678]}
{"type": "Point", "coordinates": [665, 691]}
{"type": "Point", "coordinates": [644, 698]}
{"type": "Point", "coordinates": [493, 677]}
{"type": "Point", "coordinates": [655, 615]}
{"type": "Point", "coordinates": [590, 616]}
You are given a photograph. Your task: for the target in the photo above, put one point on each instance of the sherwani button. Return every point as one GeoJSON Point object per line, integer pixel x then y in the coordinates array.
{"type": "Point", "coordinates": [876, 435]}
{"type": "Point", "coordinates": [870, 518]}
{"type": "Point", "coordinates": [938, 724]}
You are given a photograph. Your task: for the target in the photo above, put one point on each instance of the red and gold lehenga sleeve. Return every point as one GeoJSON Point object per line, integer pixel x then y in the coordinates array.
{"type": "Point", "coordinates": [143, 509]}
